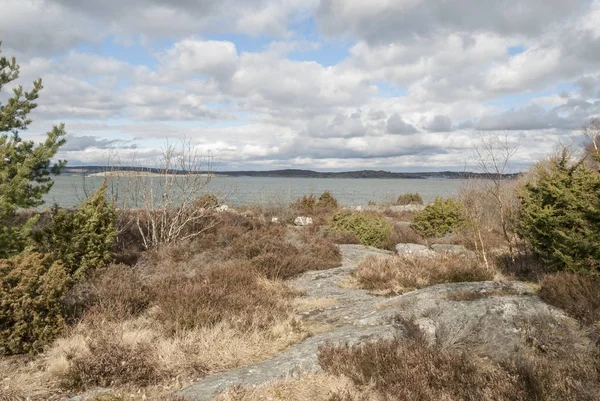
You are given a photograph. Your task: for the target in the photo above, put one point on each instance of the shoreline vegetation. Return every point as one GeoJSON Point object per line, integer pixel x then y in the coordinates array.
{"type": "Point", "coordinates": [102, 171]}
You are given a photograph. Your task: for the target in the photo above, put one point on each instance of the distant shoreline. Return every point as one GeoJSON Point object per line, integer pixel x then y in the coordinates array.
{"type": "Point", "coordinates": [122, 173]}
{"type": "Point", "coordinates": [102, 171]}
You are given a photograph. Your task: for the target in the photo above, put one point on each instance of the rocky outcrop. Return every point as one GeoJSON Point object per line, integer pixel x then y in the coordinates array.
{"type": "Point", "coordinates": [494, 318]}
{"type": "Point", "coordinates": [455, 249]}
{"type": "Point", "coordinates": [414, 250]}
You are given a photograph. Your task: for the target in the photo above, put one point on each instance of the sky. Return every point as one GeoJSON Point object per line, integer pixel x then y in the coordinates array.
{"type": "Point", "coordinates": [329, 85]}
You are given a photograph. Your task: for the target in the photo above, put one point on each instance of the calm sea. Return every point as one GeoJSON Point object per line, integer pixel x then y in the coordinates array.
{"type": "Point", "coordinates": [70, 190]}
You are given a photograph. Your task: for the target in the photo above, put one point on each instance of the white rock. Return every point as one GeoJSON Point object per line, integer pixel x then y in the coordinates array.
{"type": "Point", "coordinates": [303, 221]}
{"type": "Point", "coordinates": [428, 328]}
{"type": "Point", "coordinates": [359, 208]}
{"type": "Point", "coordinates": [274, 219]}
{"type": "Point", "coordinates": [222, 208]}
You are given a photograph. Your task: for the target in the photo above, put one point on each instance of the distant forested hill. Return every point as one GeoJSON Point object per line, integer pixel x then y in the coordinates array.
{"type": "Point", "coordinates": [294, 173]}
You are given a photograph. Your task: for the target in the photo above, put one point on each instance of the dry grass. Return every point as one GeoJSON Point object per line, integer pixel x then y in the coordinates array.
{"type": "Point", "coordinates": [393, 370]}
{"type": "Point", "coordinates": [234, 291]}
{"type": "Point", "coordinates": [314, 387]}
{"type": "Point", "coordinates": [190, 308]}
{"type": "Point", "coordinates": [341, 237]}
{"type": "Point", "coordinates": [141, 352]}
{"type": "Point", "coordinates": [578, 295]}
{"type": "Point", "coordinates": [270, 248]}
{"type": "Point", "coordinates": [117, 292]}
{"type": "Point", "coordinates": [401, 274]}
{"type": "Point", "coordinates": [402, 234]}
{"type": "Point", "coordinates": [23, 378]}
{"type": "Point", "coordinates": [270, 251]}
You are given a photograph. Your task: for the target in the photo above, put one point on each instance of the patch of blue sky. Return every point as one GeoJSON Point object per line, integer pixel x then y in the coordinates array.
{"type": "Point", "coordinates": [514, 50]}
{"type": "Point", "coordinates": [329, 52]}
{"type": "Point", "coordinates": [134, 53]}
{"type": "Point", "coordinates": [387, 90]}
{"type": "Point", "coordinates": [243, 43]}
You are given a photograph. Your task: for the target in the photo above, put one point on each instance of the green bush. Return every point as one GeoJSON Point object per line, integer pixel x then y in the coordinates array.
{"type": "Point", "coordinates": [32, 288]}
{"type": "Point", "coordinates": [560, 214]}
{"type": "Point", "coordinates": [444, 216]}
{"type": "Point", "coordinates": [14, 237]}
{"type": "Point", "coordinates": [207, 201]}
{"type": "Point", "coordinates": [370, 229]}
{"type": "Point", "coordinates": [327, 200]}
{"type": "Point", "coordinates": [409, 199]}
{"type": "Point", "coordinates": [82, 239]}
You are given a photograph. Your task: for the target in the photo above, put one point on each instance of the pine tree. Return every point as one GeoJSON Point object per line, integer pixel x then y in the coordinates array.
{"type": "Point", "coordinates": [82, 239]}
{"type": "Point", "coordinates": [560, 214]}
{"type": "Point", "coordinates": [25, 167]}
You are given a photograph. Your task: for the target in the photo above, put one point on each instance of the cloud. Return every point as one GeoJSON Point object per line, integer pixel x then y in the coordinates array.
{"type": "Point", "coordinates": [439, 123]}
{"type": "Point", "coordinates": [189, 57]}
{"type": "Point", "coordinates": [300, 83]}
{"type": "Point", "coordinates": [84, 142]}
{"type": "Point", "coordinates": [395, 125]}
{"type": "Point", "coordinates": [570, 116]}
{"type": "Point", "coordinates": [381, 21]}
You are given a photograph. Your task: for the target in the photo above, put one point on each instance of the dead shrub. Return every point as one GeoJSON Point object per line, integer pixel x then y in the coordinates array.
{"type": "Point", "coordinates": [415, 371]}
{"type": "Point", "coordinates": [118, 292]}
{"type": "Point", "coordinates": [402, 234]}
{"type": "Point", "coordinates": [576, 294]}
{"type": "Point", "coordinates": [341, 237]}
{"type": "Point", "coordinates": [110, 357]}
{"type": "Point", "coordinates": [399, 215]}
{"type": "Point", "coordinates": [401, 274]}
{"type": "Point", "coordinates": [272, 253]}
{"type": "Point", "coordinates": [232, 291]}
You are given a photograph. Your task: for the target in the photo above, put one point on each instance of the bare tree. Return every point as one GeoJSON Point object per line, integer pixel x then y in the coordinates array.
{"type": "Point", "coordinates": [493, 157]}
{"type": "Point", "coordinates": [591, 129]}
{"type": "Point", "coordinates": [160, 201]}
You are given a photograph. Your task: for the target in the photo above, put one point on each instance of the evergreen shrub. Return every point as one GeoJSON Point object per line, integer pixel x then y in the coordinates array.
{"type": "Point", "coordinates": [442, 217]}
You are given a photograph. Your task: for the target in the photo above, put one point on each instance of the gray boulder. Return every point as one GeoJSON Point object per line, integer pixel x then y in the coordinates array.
{"type": "Point", "coordinates": [454, 249]}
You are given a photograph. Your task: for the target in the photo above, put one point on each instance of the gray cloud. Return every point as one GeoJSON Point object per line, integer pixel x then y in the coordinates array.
{"type": "Point", "coordinates": [380, 22]}
{"type": "Point", "coordinates": [569, 116]}
{"type": "Point", "coordinates": [341, 126]}
{"type": "Point", "coordinates": [439, 123]}
{"type": "Point", "coordinates": [52, 27]}
{"type": "Point", "coordinates": [395, 125]}
{"type": "Point", "coordinates": [83, 142]}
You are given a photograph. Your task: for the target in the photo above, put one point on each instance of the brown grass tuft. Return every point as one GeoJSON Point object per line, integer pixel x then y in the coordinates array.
{"type": "Point", "coordinates": [401, 274]}
{"type": "Point", "coordinates": [141, 352]}
{"type": "Point", "coordinates": [415, 371]}
{"type": "Point", "coordinates": [402, 234]}
{"type": "Point", "coordinates": [232, 291]}
{"type": "Point", "coordinates": [118, 292]}
{"type": "Point", "coordinates": [578, 295]}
